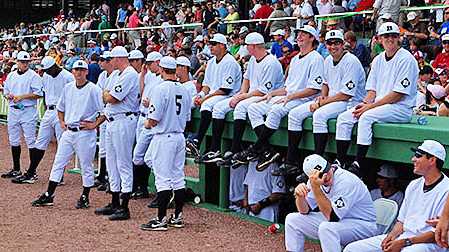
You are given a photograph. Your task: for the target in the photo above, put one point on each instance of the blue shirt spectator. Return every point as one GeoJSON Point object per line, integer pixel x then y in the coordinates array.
{"type": "Point", "coordinates": [322, 50]}
{"type": "Point", "coordinates": [94, 69]}
{"type": "Point", "coordinates": [138, 4]}
{"type": "Point", "coordinates": [357, 48]}
{"type": "Point", "coordinates": [276, 48]}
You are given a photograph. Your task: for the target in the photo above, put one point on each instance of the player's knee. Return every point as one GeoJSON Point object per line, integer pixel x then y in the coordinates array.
{"type": "Point", "coordinates": [326, 228]}
{"type": "Point", "coordinates": [351, 247]}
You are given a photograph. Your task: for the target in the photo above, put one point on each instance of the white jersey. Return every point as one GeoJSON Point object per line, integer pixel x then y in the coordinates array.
{"type": "Point", "coordinates": [399, 74]}
{"type": "Point", "coordinates": [151, 80]}
{"type": "Point", "coordinates": [349, 197]}
{"type": "Point", "coordinates": [125, 88]}
{"type": "Point", "coordinates": [53, 87]}
{"type": "Point", "coordinates": [80, 104]}
{"type": "Point", "coordinates": [398, 196]}
{"type": "Point", "coordinates": [225, 74]}
{"type": "Point", "coordinates": [347, 77]}
{"type": "Point", "coordinates": [265, 75]}
{"type": "Point", "coordinates": [170, 106]}
{"type": "Point", "coordinates": [25, 83]}
{"type": "Point", "coordinates": [305, 72]}
{"type": "Point", "coordinates": [419, 206]}
{"type": "Point", "coordinates": [191, 89]}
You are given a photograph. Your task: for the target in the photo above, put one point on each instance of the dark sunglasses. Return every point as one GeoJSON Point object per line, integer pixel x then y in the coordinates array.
{"type": "Point", "coordinates": [213, 43]}
{"type": "Point", "coordinates": [418, 155]}
{"type": "Point", "coordinates": [391, 35]}
{"type": "Point", "coordinates": [445, 42]}
{"type": "Point", "coordinates": [334, 42]}
{"type": "Point", "coordinates": [101, 59]}
{"type": "Point", "coordinates": [446, 13]}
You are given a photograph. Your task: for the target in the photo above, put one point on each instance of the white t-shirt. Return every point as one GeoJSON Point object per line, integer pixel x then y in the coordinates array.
{"type": "Point", "coordinates": [349, 197]}
{"type": "Point", "coordinates": [305, 72]}
{"type": "Point", "coordinates": [399, 74]}
{"type": "Point", "coordinates": [347, 77]}
{"type": "Point", "coordinates": [225, 74]}
{"type": "Point", "coordinates": [265, 75]}
{"type": "Point", "coordinates": [80, 104]}
{"type": "Point", "coordinates": [125, 88]}
{"type": "Point", "coordinates": [53, 87]}
{"type": "Point", "coordinates": [20, 84]}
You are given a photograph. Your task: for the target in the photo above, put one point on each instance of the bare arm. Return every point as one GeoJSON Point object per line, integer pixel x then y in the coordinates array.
{"type": "Point", "coordinates": [107, 98]}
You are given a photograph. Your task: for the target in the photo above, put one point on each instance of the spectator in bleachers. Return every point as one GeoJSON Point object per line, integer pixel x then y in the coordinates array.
{"type": "Point", "coordinates": [442, 59]}
{"type": "Point", "coordinates": [322, 49]}
{"type": "Point", "coordinates": [279, 41]}
{"type": "Point", "coordinates": [72, 57]}
{"type": "Point", "coordinates": [264, 11]}
{"type": "Point", "coordinates": [324, 7]}
{"type": "Point", "coordinates": [223, 14]}
{"type": "Point", "coordinates": [414, 29]}
{"type": "Point", "coordinates": [94, 68]}
{"type": "Point", "coordinates": [357, 48]}
{"type": "Point", "coordinates": [275, 25]}
{"type": "Point", "coordinates": [232, 16]}
{"type": "Point", "coordinates": [435, 96]}
{"type": "Point", "coordinates": [210, 18]}
{"type": "Point", "coordinates": [387, 185]}
{"type": "Point", "coordinates": [391, 7]}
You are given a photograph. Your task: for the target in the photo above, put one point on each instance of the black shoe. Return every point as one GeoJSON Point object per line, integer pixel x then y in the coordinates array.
{"type": "Point", "coordinates": [43, 200]}
{"type": "Point", "coordinates": [211, 157]}
{"type": "Point", "coordinates": [192, 147]}
{"type": "Point", "coordinates": [25, 179]}
{"type": "Point", "coordinates": [82, 203]}
{"type": "Point", "coordinates": [103, 187]}
{"type": "Point", "coordinates": [176, 222]}
{"type": "Point", "coordinates": [98, 181]}
{"type": "Point", "coordinates": [11, 174]}
{"type": "Point", "coordinates": [120, 214]}
{"type": "Point", "coordinates": [266, 158]}
{"type": "Point", "coordinates": [139, 194]}
{"type": "Point", "coordinates": [226, 159]}
{"type": "Point", "coordinates": [106, 210]}
{"type": "Point", "coordinates": [155, 225]}
{"type": "Point", "coordinates": [245, 156]}
{"type": "Point", "coordinates": [153, 203]}
{"type": "Point", "coordinates": [286, 169]}
{"type": "Point", "coordinates": [339, 164]}
{"type": "Point", "coordinates": [355, 168]}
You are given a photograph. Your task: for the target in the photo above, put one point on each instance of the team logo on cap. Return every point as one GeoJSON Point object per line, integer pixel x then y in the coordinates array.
{"type": "Point", "coordinates": [389, 28]}
{"type": "Point", "coordinates": [332, 34]}
{"type": "Point", "coordinates": [151, 109]}
{"type": "Point", "coordinates": [229, 80]}
{"type": "Point", "coordinates": [339, 203]}
{"type": "Point", "coordinates": [118, 89]}
{"type": "Point", "coordinates": [319, 80]}
{"type": "Point", "coordinates": [405, 83]}
{"type": "Point", "coordinates": [350, 85]}
{"type": "Point", "coordinates": [268, 85]}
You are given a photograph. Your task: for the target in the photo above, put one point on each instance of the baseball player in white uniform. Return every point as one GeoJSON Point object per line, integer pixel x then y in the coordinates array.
{"type": "Point", "coordinates": [391, 95]}
{"type": "Point", "coordinates": [122, 106]}
{"type": "Point", "coordinates": [183, 66]}
{"type": "Point", "coordinates": [303, 84]}
{"type": "Point", "coordinates": [334, 206]}
{"type": "Point", "coordinates": [263, 192]}
{"type": "Point", "coordinates": [222, 79]}
{"type": "Point", "coordinates": [79, 111]}
{"type": "Point", "coordinates": [136, 59]}
{"type": "Point", "coordinates": [54, 80]}
{"type": "Point", "coordinates": [168, 114]}
{"type": "Point", "coordinates": [22, 88]}
{"type": "Point", "coordinates": [104, 79]}
{"type": "Point", "coordinates": [263, 75]}
{"type": "Point", "coordinates": [343, 87]}
{"type": "Point", "coordinates": [149, 80]}
{"type": "Point", "coordinates": [423, 204]}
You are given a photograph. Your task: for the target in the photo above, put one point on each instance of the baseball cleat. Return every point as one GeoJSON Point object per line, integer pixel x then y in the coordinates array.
{"type": "Point", "coordinates": [155, 225]}
{"type": "Point", "coordinates": [106, 210]}
{"type": "Point", "coordinates": [192, 147]}
{"type": "Point", "coordinates": [176, 222]}
{"type": "Point", "coordinates": [139, 194]}
{"type": "Point", "coordinates": [120, 214]}
{"type": "Point", "coordinates": [43, 200]}
{"type": "Point", "coordinates": [226, 160]}
{"type": "Point", "coordinates": [245, 156]}
{"type": "Point", "coordinates": [211, 157]}
{"type": "Point", "coordinates": [82, 203]}
{"type": "Point", "coordinates": [267, 158]}
{"type": "Point", "coordinates": [355, 168]}
{"type": "Point", "coordinates": [11, 174]}
{"type": "Point", "coordinates": [285, 169]}
{"type": "Point", "coordinates": [25, 179]}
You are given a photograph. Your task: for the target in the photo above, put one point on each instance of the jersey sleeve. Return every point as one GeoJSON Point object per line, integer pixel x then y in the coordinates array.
{"type": "Point", "coordinates": [271, 78]}
{"type": "Point", "coordinates": [230, 76]}
{"type": "Point", "coordinates": [158, 103]}
{"type": "Point", "coordinates": [353, 70]}
{"type": "Point", "coordinates": [407, 78]}
{"type": "Point", "coordinates": [123, 86]}
{"type": "Point", "coordinates": [61, 103]}
{"type": "Point", "coordinates": [316, 71]}
{"type": "Point", "coordinates": [343, 202]}
{"type": "Point", "coordinates": [310, 198]}
{"type": "Point", "coordinates": [207, 75]}
{"type": "Point", "coordinates": [98, 100]}
{"type": "Point", "coordinates": [278, 184]}
{"type": "Point", "coordinates": [36, 85]}
{"type": "Point", "coordinates": [249, 69]}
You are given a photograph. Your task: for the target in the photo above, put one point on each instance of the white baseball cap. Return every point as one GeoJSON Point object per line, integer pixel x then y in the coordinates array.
{"type": "Point", "coordinates": [183, 61]}
{"type": "Point", "coordinates": [445, 37]}
{"type": "Point", "coordinates": [411, 15]}
{"type": "Point", "coordinates": [119, 52]}
{"type": "Point", "coordinates": [90, 41]}
{"type": "Point", "coordinates": [47, 62]}
{"type": "Point", "coordinates": [314, 162]}
{"type": "Point", "coordinates": [437, 91]}
{"type": "Point", "coordinates": [387, 171]}
{"type": "Point", "coordinates": [199, 38]}
{"type": "Point", "coordinates": [433, 148]}
{"type": "Point", "coordinates": [106, 55]}
{"type": "Point", "coordinates": [80, 64]}
{"type": "Point", "coordinates": [168, 62]}
{"type": "Point", "coordinates": [219, 38]}
{"type": "Point", "coordinates": [243, 29]}
{"type": "Point", "coordinates": [309, 29]}
{"type": "Point", "coordinates": [334, 34]}
{"type": "Point", "coordinates": [135, 54]}
{"type": "Point", "coordinates": [278, 32]}
{"type": "Point", "coordinates": [113, 36]}
{"type": "Point", "coordinates": [388, 28]}
{"type": "Point", "coordinates": [153, 56]}
{"type": "Point", "coordinates": [254, 38]}
{"type": "Point", "coordinates": [23, 56]}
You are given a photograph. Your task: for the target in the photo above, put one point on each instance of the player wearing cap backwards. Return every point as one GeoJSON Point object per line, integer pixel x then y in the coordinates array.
{"type": "Point", "coordinates": [263, 75]}
{"type": "Point", "coordinates": [54, 80]}
{"type": "Point", "coordinates": [222, 79]}
{"type": "Point", "coordinates": [303, 84]}
{"type": "Point", "coordinates": [343, 87]}
{"type": "Point", "coordinates": [148, 81]}
{"type": "Point", "coordinates": [334, 207]}
{"type": "Point", "coordinates": [104, 79]}
{"type": "Point", "coordinates": [169, 110]}
{"type": "Point", "coordinates": [391, 95]}
{"type": "Point", "coordinates": [422, 206]}
{"type": "Point", "coordinates": [78, 113]}
{"type": "Point", "coordinates": [122, 106]}
{"type": "Point", "coordinates": [22, 88]}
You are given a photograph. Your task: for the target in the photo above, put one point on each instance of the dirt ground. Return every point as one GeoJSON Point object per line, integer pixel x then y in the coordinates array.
{"type": "Point", "coordinates": [64, 228]}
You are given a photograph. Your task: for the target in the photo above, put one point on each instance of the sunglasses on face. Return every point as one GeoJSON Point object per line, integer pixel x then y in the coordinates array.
{"type": "Point", "coordinates": [446, 42]}
{"type": "Point", "coordinates": [418, 155]}
{"type": "Point", "coordinates": [333, 42]}
{"type": "Point", "coordinates": [446, 13]}
{"type": "Point", "coordinates": [213, 43]}
{"type": "Point", "coordinates": [391, 35]}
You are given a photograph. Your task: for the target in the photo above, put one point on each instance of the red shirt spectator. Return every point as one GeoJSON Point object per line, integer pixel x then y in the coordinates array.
{"type": "Point", "coordinates": [263, 12]}
{"type": "Point", "coordinates": [133, 21]}
{"type": "Point", "coordinates": [441, 61]}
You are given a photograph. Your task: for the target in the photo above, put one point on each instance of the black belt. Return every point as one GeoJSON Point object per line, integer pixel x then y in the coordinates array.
{"type": "Point", "coordinates": [110, 119]}
{"type": "Point", "coordinates": [18, 106]}
{"type": "Point", "coordinates": [51, 107]}
{"type": "Point", "coordinates": [143, 115]}
{"type": "Point", "coordinates": [74, 129]}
